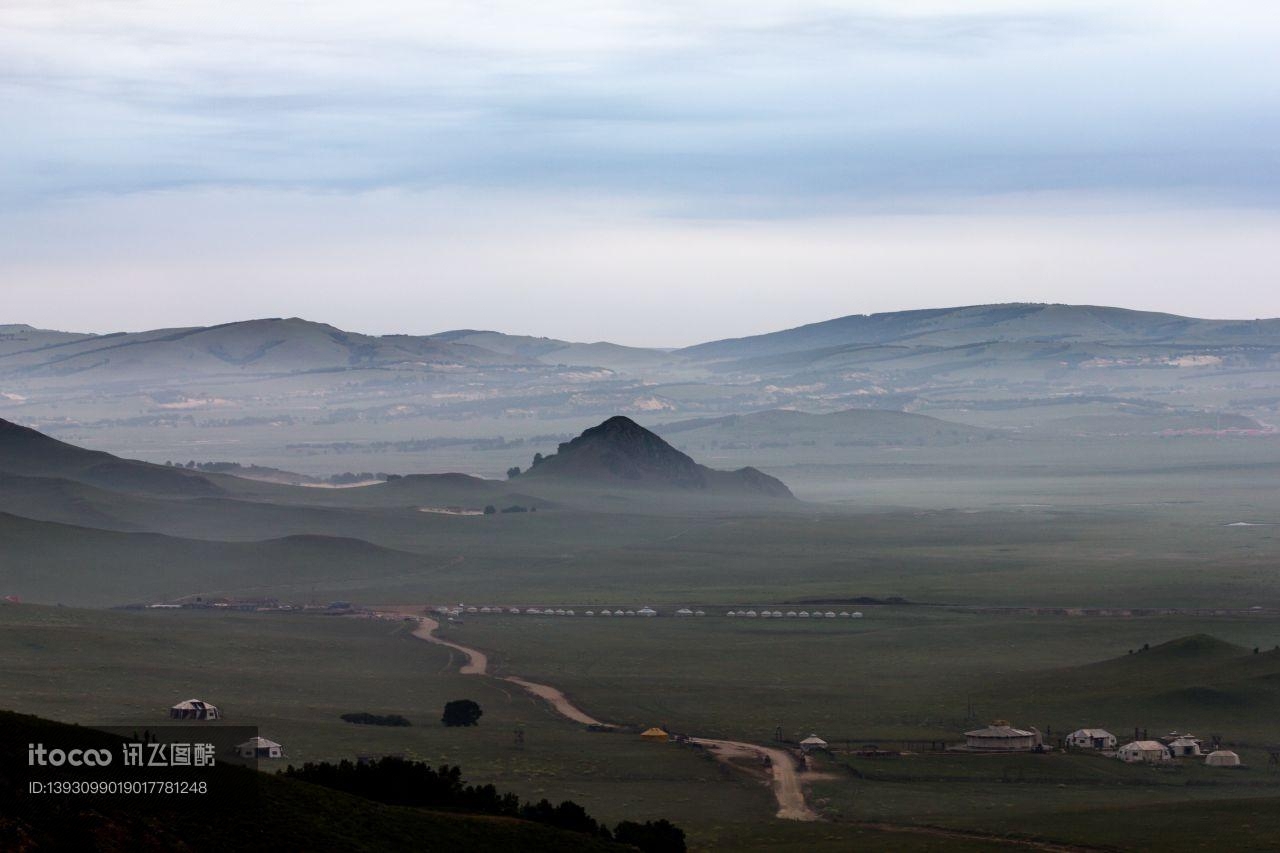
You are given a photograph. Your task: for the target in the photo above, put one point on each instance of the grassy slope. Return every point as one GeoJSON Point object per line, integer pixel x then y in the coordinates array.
{"type": "Point", "coordinates": [285, 815]}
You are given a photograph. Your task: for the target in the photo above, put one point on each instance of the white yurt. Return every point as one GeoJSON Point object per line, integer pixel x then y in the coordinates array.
{"type": "Point", "coordinates": [194, 709]}
{"type": "Point", "coordinates": [813, 742]}
{"type": "Point", "coordinates": [260, 747]}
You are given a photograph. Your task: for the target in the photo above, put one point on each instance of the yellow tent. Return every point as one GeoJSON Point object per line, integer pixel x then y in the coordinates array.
{"type": "Point", "coordinates": [654, 733]}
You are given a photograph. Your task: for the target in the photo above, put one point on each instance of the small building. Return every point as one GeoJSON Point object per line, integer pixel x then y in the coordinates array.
{"type": "Point", "coordinates": [684, 611]}
{"type": "Point", "coordinates": [1144, 752]}
{"type": "Point", "coordinates": [812, 742]}
{"type": "Point", "coordinates": [646, 611]}
{"type": "Point", "coordinates": [1002, 737]}
{"type": "Point", "coordinates": [1184, 746]}
{"type": "Point", "coordinates": [857, 614]}
{"type": "Point", "coordinates": [1092, 739]}
{"type": "Point", "coordinates": [1222, 758]}
{"type": "Point", "coordinates": [259, 747]}
{"type": "Point", "coordinates": [654, 734]}
{"type": "Point", "coordinates": [194, 709]}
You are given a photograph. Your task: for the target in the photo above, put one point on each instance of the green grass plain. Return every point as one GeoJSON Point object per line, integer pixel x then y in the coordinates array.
{"type": "Point", "coordinates": [902, 672]}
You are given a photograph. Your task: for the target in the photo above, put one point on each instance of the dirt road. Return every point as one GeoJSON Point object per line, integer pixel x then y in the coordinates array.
{"type": "Point", "coordinates": [477, 663]}
{"type": "Point", "coordinates": [556, 700]}
{"type": "Point", "coordinates": [786, 783]}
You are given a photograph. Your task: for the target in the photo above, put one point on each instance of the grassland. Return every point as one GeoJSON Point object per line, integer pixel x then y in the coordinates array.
{"type": "Point", "coordinates": [901, 673]}
{"type": "Point", "coordinates": [293, 676]}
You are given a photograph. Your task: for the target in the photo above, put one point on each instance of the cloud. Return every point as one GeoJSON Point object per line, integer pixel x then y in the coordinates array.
{"type": "Point", "coordinates": [848, 104]}
{"type": "Point", "coordinates": [687, 169]}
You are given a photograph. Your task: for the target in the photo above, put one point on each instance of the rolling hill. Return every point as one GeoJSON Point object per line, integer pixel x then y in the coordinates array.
{"type": "Point", "coordinates": [1016, 322]}
{"type": "Point", "coordinates": [256, 347]}
{"type": "Point", "coordinates": [61, 563]}
{"type": "Point", "coordinates": [1196, 682]}
{"type": "Point", "coordinates": [26, 452]}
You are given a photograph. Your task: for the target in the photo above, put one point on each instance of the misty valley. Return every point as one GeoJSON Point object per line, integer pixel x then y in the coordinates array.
{"type": "Point", "coordinates": [976, 578]}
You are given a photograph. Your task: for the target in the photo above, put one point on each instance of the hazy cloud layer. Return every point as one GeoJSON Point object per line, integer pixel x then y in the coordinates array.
{"type": "Point", "coordinates": [806, 127]}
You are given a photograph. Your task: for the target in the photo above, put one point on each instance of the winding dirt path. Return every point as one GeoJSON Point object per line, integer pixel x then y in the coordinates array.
{"type": "Point", "coordinates": [477, 663]}
{"type": "Point", "coordinates": [556, 700]}
{"type": "Point", "coordinates": [786, 783]}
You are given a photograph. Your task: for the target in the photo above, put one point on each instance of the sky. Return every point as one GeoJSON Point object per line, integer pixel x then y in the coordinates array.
{"type": "Point", "coordinates": [654, 173]}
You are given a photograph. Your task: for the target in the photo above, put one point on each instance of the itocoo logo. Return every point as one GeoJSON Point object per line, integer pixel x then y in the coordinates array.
{"type": "Point", "coordinates": [38, 756]}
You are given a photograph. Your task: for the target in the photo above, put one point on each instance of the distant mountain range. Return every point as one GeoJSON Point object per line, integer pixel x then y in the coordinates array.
{"type": "Point", "coordinates": [1030, 369]}
{"type": "Point", "coordinates": [291, 345]}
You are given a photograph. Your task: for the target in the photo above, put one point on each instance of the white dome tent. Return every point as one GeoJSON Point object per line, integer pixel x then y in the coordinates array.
{"type": "Point", "coordinates": [1222, 758]}
{"type": "Point", "coordinates": [195, 709]}
{"type": "Point", "coordinates": [813, 742]}
{"type": "Point", "coordinates": [259, 747]}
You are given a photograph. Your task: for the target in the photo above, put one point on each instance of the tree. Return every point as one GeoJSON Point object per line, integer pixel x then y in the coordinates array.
{"type": "Point", "coordinates": [490, 510]}
{"type": "Point", "coordinates": [513, 472]}
{"type": "Point", "coordinates": [659, 836]}
{"type": "Point", "coordinates": [537, 460]}
{"type": "Point", "coordinates": [461, 712]}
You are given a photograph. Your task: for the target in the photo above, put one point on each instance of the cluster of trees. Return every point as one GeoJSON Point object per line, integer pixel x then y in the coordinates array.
{"type": "Point", "coordinates": [364, 718]}
{"type": "Point", "coordinates": [461, 712]}
{"type": "Point", "coordinates": [490, 509]}
{"type": "Point", "coordinates": [400, 782]}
